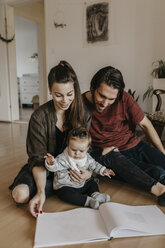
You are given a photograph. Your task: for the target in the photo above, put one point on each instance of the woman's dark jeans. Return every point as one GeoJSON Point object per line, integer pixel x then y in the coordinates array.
{"type": "Point", "coordinates": [124, 169]}
{"type": "Point", "coordinates": [25, 176]}
{"type": "Point", "coordinates": [148, 159]}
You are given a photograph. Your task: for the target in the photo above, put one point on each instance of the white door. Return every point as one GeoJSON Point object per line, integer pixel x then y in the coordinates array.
{"type": "Point", "coordinates": [9, 109]}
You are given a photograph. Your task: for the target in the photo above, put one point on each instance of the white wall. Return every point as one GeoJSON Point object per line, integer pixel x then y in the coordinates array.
{"type": "Point", "coordinates": [26, 45]}
{"type": "Point", "coordinates": [136, 40]}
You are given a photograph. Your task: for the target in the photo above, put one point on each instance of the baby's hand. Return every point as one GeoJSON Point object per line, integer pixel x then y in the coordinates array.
{"type": "Point", "coordinates": [49, 159]}
{"type": "Point", "coordinates": [108, 173]}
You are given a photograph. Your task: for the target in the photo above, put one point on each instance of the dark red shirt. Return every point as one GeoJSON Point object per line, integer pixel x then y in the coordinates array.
{"type": "Point", "coordinates": [115, 126]}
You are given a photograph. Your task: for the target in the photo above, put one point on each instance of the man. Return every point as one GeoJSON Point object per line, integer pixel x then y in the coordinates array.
{"type": "Point", "coordinates": [114, 117]}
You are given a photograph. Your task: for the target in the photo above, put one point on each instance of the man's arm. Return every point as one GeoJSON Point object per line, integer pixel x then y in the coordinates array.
{"type": "Point", "coordinates": [149, 130]}
{"type": "Point", "coordinates": [107, 150]}
{"type": "Point", "coordinates": [37, 202]}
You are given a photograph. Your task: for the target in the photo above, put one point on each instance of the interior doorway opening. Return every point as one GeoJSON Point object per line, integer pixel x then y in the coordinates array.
{"type": "Point", "coordinates": [26, 36]}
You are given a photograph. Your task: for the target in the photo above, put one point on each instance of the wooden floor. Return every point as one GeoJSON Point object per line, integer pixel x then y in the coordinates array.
{"type": "Point", "coordinates": [17, 226]}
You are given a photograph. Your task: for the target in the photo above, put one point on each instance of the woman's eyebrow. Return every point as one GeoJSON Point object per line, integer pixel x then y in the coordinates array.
{"type": "Point", "coordinates": [56, 92]}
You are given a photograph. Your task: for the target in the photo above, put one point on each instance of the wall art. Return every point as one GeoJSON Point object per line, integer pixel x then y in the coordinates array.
{"type": "Point", "coordinates": [97, 22]}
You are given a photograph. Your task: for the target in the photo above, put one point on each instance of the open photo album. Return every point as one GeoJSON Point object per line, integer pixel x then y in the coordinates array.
{"type": "Point", "coordinates": [83, 225]}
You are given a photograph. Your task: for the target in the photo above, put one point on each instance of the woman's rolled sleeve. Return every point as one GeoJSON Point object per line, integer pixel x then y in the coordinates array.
{"type": "Point", "coordinates": [36, 142]}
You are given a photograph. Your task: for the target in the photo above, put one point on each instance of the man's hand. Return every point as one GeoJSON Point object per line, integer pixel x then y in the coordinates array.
{"type": "Point", "coordinates": [108, 173]}
{"type": "Point", "coordinates": [36, 204]}
{"type": "Point", "coordinates": [81, 177]}
{"type": "Point", "coordinates": [107, 150]}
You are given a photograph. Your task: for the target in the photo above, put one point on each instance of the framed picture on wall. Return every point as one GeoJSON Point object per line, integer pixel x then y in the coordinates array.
{"type": "Point", "coordinates": [96, 22]}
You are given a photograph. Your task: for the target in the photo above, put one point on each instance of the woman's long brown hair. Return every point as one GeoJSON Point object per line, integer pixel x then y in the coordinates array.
{"type": "Point", "coordinates": [64, 73]}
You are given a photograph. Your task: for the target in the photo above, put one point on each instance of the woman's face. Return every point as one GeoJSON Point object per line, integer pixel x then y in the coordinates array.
{"type": "Point", "coordinates": [63, 95]}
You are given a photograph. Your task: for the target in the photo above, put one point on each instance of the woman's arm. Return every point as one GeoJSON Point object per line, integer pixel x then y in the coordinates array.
{"type": "Point", "coordinates": [37, 202]}
{"type": "Point", "coordinates": [36, 148]}
{"type": "Point", "coordinates": [41, 137]}
{"type": "Point", "coordinates": [149, 130]}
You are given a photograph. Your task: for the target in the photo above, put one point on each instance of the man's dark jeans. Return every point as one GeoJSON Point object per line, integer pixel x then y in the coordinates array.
{"type": "Point", "coordinates": [124, 169]}
{"type": "Point", "coordinates": [149, 159]}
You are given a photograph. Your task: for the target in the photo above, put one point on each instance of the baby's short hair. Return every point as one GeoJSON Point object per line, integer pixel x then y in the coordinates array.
{"type": "Point", "coordinates": [79, 133]}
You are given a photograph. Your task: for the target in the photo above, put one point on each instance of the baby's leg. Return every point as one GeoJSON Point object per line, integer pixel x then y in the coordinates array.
{"type": "Point", "coordinates": [101, 198]}
{"type": "Point", "coordinates": [91, 202]}
{"type": "Point", "coordinates": [91, 188]}
{"type": "Point", "coordinates": [71, 195]}
{"type": "Point", "coordinates": [76, 197]}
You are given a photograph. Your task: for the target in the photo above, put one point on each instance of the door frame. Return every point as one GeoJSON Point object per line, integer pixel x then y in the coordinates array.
{"type": "Point", "coordinates": [9, 94]}
{"type": "Point", "coordinates": [12, 72]}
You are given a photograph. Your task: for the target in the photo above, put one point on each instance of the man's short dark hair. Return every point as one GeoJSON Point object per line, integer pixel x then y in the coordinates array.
{"type": "Point", "coordinates": [111, 76]}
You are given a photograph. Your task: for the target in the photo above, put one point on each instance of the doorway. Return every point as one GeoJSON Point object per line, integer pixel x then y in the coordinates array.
{"type": "Point", "coordinates": [8, 80]}
{"type": "Point", "coordinates": [26, 36]}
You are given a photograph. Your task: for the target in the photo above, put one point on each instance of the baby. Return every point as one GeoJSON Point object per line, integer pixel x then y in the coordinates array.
{"type": "Point", "coordinates": [75, 157]}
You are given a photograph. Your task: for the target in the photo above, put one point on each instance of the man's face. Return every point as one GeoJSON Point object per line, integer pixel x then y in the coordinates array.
{"type": "Point", "coordinates": [104, 96]}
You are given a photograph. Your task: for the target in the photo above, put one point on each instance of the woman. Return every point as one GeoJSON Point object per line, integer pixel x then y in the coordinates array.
{"type": "Point", "coordinates": [47, 132]}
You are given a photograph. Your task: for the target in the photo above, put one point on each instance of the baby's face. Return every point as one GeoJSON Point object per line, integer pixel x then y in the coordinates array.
{"type": "Point", "coordinates": [77, 149]}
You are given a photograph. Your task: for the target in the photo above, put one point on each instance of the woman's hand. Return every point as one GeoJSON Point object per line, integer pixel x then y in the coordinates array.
{"type": "Point", "coordinates": [108, 173]}
{"type": "Point", "coordinates": [36, 204]}
{"type": "Point", "coordinates": [81, 177]}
